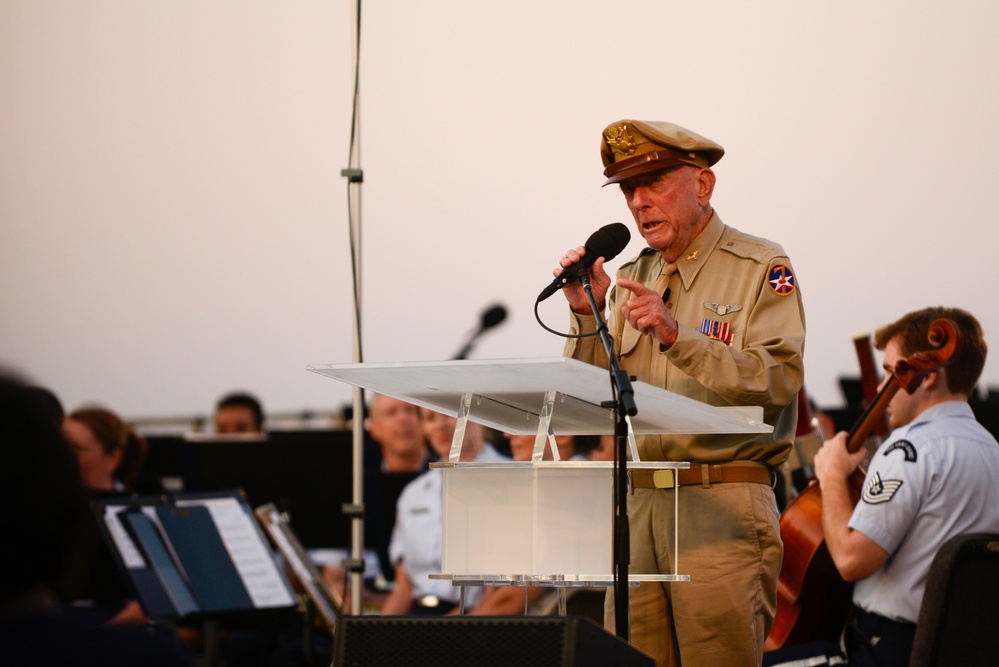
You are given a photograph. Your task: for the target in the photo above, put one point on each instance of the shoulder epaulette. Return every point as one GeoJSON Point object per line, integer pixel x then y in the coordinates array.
{"type": "Point", "coordinates": [750, 247]}
{"type": "Point", "coordinates": [645, 252]}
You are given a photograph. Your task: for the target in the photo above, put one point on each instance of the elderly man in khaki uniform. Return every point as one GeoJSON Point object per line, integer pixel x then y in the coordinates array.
{"type": "Point", "coordinates": [708, 312]}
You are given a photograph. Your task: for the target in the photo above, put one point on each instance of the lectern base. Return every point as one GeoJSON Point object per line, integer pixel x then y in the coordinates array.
{"type": "Point", "coordinates": [483, 641]}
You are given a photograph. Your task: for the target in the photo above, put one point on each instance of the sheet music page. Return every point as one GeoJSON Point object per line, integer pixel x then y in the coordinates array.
{"type": "Point", "coordinates": [248, 551]}
{"type": "Point", "coordinates": [130, 553]}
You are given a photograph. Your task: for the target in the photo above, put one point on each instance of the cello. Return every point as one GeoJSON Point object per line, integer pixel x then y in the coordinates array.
{"type": "Point", "coordinates": [813, 601]}
{"type": "Point", "coordinates": [807, 440]}
{"type": "Point", "coordinates": [869, 380]}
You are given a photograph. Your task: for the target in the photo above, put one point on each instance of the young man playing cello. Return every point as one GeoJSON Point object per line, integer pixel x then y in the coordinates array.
{"type": "Point", "coordinates": [932, 479]}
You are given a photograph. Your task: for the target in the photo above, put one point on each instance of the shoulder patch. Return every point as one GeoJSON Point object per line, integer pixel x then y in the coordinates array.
{"type": "Point", "coordinates": [781, 280]}
{"type": "Point", "coordinates": [877, 491]}
{"type": "Point", "coordinates": [907, 448]}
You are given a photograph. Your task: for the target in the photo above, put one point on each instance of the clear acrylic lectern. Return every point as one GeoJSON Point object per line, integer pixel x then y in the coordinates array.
{"type": "Point", "coordinates": [536, 522]}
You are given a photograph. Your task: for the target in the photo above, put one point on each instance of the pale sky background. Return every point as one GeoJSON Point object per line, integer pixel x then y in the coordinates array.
{"type": "Point", "coordinates": [173, 223]}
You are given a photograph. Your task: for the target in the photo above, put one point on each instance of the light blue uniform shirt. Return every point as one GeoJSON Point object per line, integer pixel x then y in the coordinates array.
{"type": "Point", "coordinates": [932, 479]}
{"type": "Point", "coordinates": [417, 535]}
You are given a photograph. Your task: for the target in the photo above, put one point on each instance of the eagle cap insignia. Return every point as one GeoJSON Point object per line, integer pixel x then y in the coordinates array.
{"type": "Point", "coordinates": [620, 140]}
{"type": "Point", "coordinates": [721, 309]}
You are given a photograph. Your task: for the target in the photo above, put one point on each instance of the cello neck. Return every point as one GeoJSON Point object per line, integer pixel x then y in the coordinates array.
{"type": "Point", "coordinates": [872, 416]}
{"type": "Point", "coordinates": [869, 381]}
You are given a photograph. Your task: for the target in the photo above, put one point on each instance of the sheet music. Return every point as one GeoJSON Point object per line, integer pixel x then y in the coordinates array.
{"type": "Point", "coordinates": [130, 554]}
{"type": "Point", "coordinates": [248, 551]}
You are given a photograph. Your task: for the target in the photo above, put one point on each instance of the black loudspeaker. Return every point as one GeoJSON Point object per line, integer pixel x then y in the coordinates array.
{"type": "Point", "coordinates": [480, 641]}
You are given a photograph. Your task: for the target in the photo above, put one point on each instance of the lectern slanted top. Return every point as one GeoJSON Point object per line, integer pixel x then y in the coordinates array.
{"type": "Point", "coordinates": [509, 395]}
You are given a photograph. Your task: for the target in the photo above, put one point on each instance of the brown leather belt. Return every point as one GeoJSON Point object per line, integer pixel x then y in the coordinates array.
{"type": "Point", "coordinates": [704, 474]}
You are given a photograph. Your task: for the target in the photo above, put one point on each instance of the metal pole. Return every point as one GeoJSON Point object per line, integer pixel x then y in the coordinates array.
{"type": "Point", "coordinates": [355, 178]}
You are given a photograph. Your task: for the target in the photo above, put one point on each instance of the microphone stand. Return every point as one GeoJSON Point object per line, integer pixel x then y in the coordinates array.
{"type": "Point", "coordinates": [623, 406]}
{"type": "Point", "coordinates": [463, 352]}
{"type": "Point", "coordinates": [490, 318]}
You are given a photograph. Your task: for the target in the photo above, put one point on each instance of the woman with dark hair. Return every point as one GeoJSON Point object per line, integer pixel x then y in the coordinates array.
{"type": "Point", "coordinates": [46, 508]}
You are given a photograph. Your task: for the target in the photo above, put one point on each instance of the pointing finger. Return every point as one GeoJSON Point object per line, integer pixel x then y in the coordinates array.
{"type": "Point", "coordinates": [636, 288]}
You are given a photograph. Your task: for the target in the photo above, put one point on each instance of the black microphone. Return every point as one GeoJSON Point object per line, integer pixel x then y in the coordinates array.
{"type": "Point", "coordinates": [491, 317]}
{"type": "Point", "coordinates": [606, 242]}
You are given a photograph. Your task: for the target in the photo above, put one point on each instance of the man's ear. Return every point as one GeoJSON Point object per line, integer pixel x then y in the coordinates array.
{"type": "Point", "coordinates": [935, 380]}
{"type": "Point", "coordinates": [705, 186]}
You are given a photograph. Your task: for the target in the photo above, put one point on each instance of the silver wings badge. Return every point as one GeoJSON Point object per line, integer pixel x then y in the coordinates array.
{"type": "Point", "coordinates": [721, 309]}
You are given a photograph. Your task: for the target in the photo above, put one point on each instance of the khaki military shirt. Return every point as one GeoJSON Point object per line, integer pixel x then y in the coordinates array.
{"type": "Point", "coordinates": [740, 342]}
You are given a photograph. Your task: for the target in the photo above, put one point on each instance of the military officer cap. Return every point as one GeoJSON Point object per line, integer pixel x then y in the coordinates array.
{"type": "Point", "coordinates": [632, 147]}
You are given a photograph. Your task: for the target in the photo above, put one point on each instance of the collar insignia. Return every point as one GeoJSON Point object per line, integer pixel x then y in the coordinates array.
{"type": "Point", "coordinates": [721, 309]}
{"type": "Point", "coordinates": [692, 256]}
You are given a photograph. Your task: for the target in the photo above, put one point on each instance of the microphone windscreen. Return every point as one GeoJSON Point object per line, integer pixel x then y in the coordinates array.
{"type": "Point", "coordinates": [608, 241]}
{"type": "Point", "coordinates": [492, 317]}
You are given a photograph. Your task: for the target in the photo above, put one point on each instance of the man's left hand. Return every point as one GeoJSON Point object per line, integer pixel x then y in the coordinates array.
{"type": "Point", "coordinates": [647, 313]}
{"type": "Point", "coordinates": [833, 461]}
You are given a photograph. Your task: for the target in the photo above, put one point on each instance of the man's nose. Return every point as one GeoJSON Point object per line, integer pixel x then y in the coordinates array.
{"type": "Point", "coordinates": [640, 197]}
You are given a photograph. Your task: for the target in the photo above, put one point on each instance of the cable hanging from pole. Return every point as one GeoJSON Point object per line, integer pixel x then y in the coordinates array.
{"type": "Point", "coordinates": [355, 176]}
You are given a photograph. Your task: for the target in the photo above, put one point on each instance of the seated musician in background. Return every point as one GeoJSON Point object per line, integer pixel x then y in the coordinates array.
{"type": "Point", "coordinates": [396, 452]}
{"type": "Point", "coordinates": [110, 452]}
{"type": "Point", "coordinates": [400, 456]}
{"type": "Point", "coordinates": [45, 506]}
{"type": "Point", "coordinates": [417, 545]}
{"type": "Point", "coordinates": [394, 425]}
{"type": "Point", "coordinates": [931, 479]}
{"type": "Point", "coordinates": [110, 455]}
{"type": "Point", "coordinates": [570, 447]}
{"type": "Point", "coordinates": [239, 412]}
{"type": "Point", "coordinates": [604, 450]}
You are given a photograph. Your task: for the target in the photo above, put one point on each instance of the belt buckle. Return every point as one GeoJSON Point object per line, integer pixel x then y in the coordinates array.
{"type": "Point", "coordinates": [663, 479]}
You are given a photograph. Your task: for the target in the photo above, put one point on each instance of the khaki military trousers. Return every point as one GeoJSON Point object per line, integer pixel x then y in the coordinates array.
{"type": "Point", "coordinates": [729, 544]}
